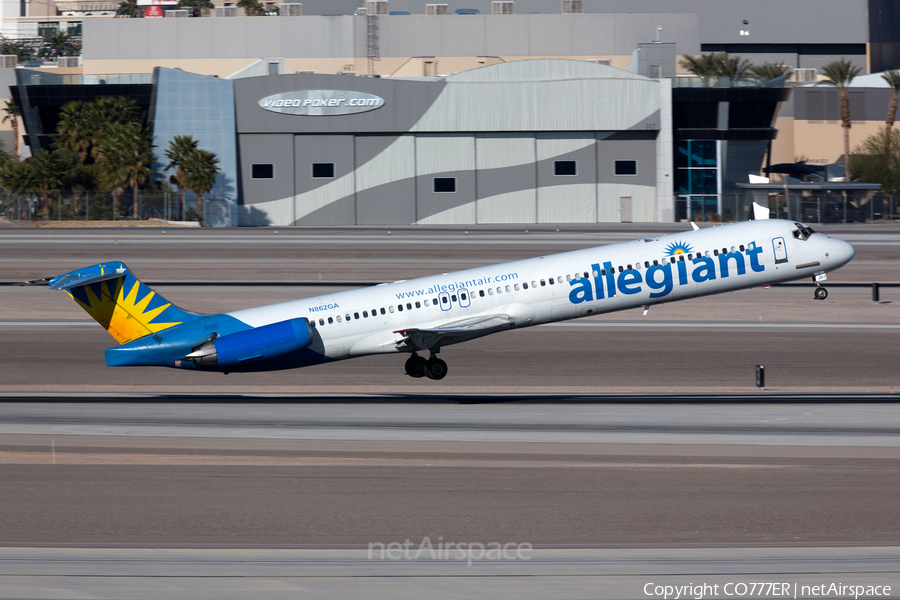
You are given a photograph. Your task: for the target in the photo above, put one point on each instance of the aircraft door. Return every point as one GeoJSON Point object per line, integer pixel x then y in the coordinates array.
{"type": "Point", "coordinates": [444, 299]}
{"type": "Point", "coordinates": [780, 250]}
{"type": "Point", "coordinates": [464, 300]}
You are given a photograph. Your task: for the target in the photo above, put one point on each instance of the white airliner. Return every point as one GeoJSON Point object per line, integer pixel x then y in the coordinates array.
{"type": "Point", "coordinates": [426, 314]}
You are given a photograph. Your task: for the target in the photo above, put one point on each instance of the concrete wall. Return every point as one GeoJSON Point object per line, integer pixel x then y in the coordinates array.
{"type": "Point", "coordinates": [331, 44]}
{"type": "Point", "coordinates": [809, 125]}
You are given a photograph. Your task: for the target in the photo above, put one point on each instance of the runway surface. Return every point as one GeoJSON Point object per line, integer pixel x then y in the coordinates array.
{"type": "Point", "coordinates": [145, 486]}
{"type": "Point", "coordinates": [571, 574]}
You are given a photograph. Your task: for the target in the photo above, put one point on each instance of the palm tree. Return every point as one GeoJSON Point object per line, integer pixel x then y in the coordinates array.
{"type": "Point", "coordinates": [103, 113]}
{"type": "Point", "coordinates": [128, 150]}
{"type": "Point", "coordinates": [732, 66]}
{"type": "Point", "coordinates": [178, 153]}
{"type": "Point", "coordinates": [202, 169]}
{"type": "Point", "coordinates": [74, 130]}
{"type": "Point", "coordinates": [16, 178]}
{"type": "Point", "coordinates": [769, 71]}
{"type": "Point", "coordinates": [129, 9]}
{"type": "Point", "coordinates": [840, 74]}
{"type": "Point", "coordinates": [12, 116]}
{"type": "Point", "coordinates": [60, 43]}
{"type": "Point", "coordinates": [12, 48]}
{"type": "Point", "coordinates": [892, 78]}
{"type": "Point", "coordinates": [253, 7]}
{"type": "Point", "coordinates": [48, 169]}
{"type": "Point", "coordinates": [703, 66]}
{"type": "Point", "coordinates": [195, 6]}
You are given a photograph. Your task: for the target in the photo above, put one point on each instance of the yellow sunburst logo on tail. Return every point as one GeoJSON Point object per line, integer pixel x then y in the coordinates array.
{"type": "Point", "coordinates": [125, 317]}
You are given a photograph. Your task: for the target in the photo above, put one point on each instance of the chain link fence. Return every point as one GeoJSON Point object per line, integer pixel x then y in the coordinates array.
{"type": "Point", "coordinates": [94, 205]}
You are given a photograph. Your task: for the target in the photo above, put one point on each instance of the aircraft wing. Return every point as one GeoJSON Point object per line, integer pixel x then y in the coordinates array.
{"type": "Point", "coordinates": [452, 333]}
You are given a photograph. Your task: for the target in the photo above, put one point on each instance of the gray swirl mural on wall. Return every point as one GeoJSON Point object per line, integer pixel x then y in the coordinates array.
{"type": "Point", "coordinates": [321, 103]}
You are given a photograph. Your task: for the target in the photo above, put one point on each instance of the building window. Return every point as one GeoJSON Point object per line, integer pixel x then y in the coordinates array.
{"type": "Point", "coordinates": [626, 167]}
{"type": "Point", "coordinates": [262, 171]}
{"type": "Point", "coordinates": [565, 167]}
{"type": "Point", "coordinates": [445, 185]}
{"type": "Point", "coordinates": [323, 170]}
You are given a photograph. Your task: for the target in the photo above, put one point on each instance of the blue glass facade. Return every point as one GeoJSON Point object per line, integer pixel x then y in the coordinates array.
{"type": "Point", "coordinates": [203, 107]}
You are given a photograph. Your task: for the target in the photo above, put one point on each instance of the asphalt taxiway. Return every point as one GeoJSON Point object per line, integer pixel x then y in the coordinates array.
{"type": "Point", "coordinates": [140, 483]}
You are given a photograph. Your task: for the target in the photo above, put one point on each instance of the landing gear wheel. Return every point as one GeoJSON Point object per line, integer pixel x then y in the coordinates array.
{"type": "Point", "coordinates": [435, 368]}
{"type": "Point", "coordinates": [415, 366]}
{"type": "Point", "coordinates": [821, 293]}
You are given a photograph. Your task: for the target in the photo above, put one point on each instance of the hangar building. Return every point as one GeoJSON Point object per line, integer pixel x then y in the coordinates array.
{"type": "Point", "coordinates": [539, 141]}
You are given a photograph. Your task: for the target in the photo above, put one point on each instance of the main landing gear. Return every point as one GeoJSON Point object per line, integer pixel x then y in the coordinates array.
{"type": "Point", "coordinates": [433, 368]}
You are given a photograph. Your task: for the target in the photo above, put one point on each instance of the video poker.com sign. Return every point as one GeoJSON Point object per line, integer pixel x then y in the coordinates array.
{"type": "Point", "coordinates": [321, 103]}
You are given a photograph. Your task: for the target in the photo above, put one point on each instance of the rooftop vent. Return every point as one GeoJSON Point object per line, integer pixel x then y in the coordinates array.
{"type": "Point", "coordinates": [377, 7]}
{"type": "Point", "coordinates": [177, 14]}
{"type": "Point", "coordinates": [9, 61]}
{"type": "Point", "coordinates": [65, 61]}
{"type": "Point", "coordinates": [805, 75]}
{"type": "Point", "coordinates": [437, 9]}
{"type": "Point", "coordinates": [503, 8]}
{"type": "Point", "coordinates": [226, 11]}
{"type": "Point", "coordinates": [600, 61]}
{"type": "Point", "coordinates": [294, 9]}
{"type": "Point", "coordinates": [573, 7]}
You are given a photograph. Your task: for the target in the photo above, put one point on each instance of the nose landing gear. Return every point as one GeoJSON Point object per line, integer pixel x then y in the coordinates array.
{"type": "Point", "coordinates": [433, 368]}
{"type": "Point", "coordinates": [821, 293]}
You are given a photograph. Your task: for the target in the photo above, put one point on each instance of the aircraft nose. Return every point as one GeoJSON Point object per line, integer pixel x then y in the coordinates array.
{"type": "Point", "coordinates": [844, 251]}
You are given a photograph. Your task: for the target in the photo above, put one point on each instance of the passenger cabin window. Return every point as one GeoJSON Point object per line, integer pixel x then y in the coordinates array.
{"type": "Point", "coordinates": [525, 285]}
{"type": "Point", "coordinates": [347, 317]}
{"type": "Point", "coordinates": [365, 314]}
{"type": "Point", "coordinates": [331, 320]}
{"type": "Point", "coordinates": [516, 287]}
{"type": "Point", "coordinates": [418, 305]}
{"type": "Point", "coordinates": [434, 301]}
{"type": "Point", "coordinates": [568, 278]}
{"type": "Point", "coordinates": [559, 279]}
{"type": "Point", "coordinates": [390, 308]}
{"type": "Point", "coordinates": [742, 247]}
{"type": "Point", "coordinates": [427, 302]}
{"type": "Point", "coordinates": [716, 251]}
{"type": "Point", "coordinates": [552, 281]}
{"type": "Point", "coordinates": [463, 296]}
{"type": "Point", "coordinates": [481, 293]}
{"type": "Point", "coordinates": [543, 284]}
{"type": "Point", "coordinates": [490, 292]}
{"type": "Point", "coordinates": [355, 315]}
{"type": "Point", "coordinates": [409, 305]}
{"type": "Point", "coordinates": [508, 290]}
{"type": "Point", "coordinates": [321, 321]}
{"type": "Point", "coordinates": [323, 170]}
{"type": "Point", "coordinates": [339, 318]}
{"type": "Point", "coordinates": [453, 297]}
{"type": "Point", "coordinates": [400, 307]}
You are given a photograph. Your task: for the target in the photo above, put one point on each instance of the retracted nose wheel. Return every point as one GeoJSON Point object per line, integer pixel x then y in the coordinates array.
{"type": "Point", "coordinates": [435, 368]}
{"type": "Point", "coordinates": [415, 366]}
{"type": "Point", "coordinates": [821, 293]}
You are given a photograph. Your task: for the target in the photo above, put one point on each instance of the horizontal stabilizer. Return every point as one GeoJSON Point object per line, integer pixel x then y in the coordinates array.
{"type": "Point", "coordinates": [85, 277]}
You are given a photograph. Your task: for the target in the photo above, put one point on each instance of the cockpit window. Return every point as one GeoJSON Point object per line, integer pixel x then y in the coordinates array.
{"type": "Point", "coordinates": [803, 231]}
